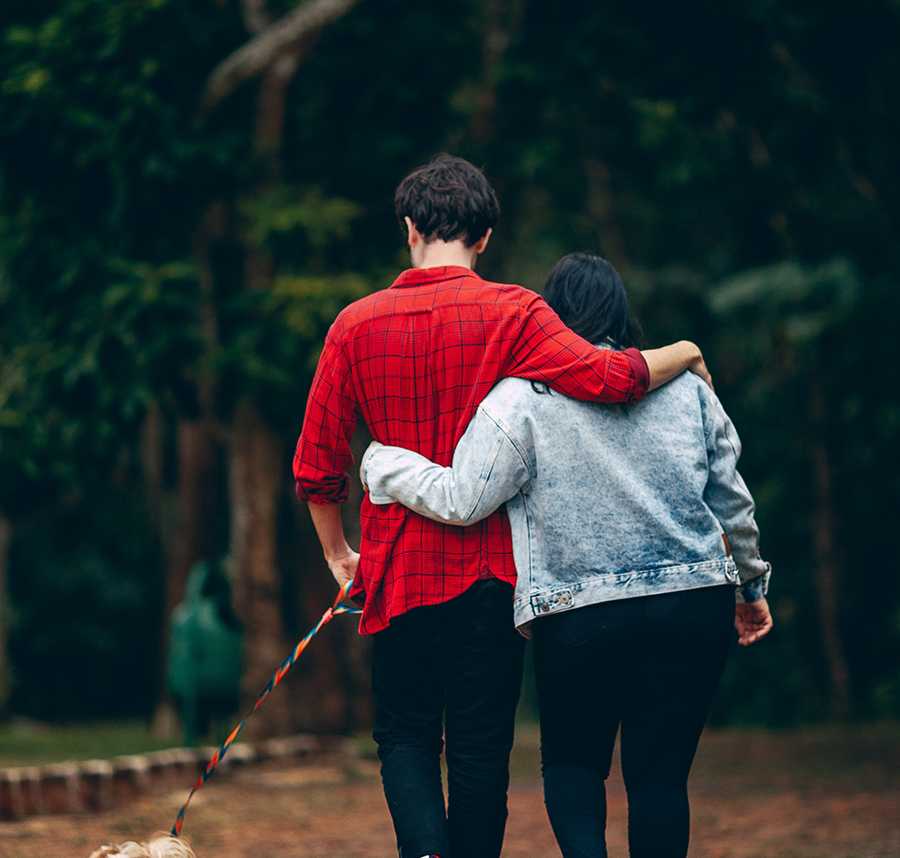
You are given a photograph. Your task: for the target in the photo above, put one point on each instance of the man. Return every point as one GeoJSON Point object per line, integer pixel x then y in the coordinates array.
{"type": "Point", "coordinates": [416, 360]}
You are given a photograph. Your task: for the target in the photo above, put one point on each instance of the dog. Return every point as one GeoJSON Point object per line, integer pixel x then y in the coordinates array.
{"type": "Point", "coordinates": [161, 846]}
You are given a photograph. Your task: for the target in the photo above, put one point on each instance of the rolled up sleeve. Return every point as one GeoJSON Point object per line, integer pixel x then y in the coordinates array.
{"type": "Point", "coordinates": [322, 457]}
{"type": "Point", "coordinates": [547, 351]}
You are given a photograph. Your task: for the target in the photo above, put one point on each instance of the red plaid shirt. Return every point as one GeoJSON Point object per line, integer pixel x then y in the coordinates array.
{"type": "Point", "coordinates": [416, 360]}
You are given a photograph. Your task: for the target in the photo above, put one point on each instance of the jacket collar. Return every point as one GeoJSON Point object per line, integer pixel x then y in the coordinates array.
{"type": "Point", "coordinates": [423, 276]}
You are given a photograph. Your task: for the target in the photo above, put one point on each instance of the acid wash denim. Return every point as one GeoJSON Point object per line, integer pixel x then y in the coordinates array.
{"type": "Point", "coordinates": [605, 501]}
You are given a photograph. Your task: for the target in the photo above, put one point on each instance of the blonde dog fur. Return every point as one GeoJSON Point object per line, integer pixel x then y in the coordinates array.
{"type": "Point", "coordinates": [161, 846]}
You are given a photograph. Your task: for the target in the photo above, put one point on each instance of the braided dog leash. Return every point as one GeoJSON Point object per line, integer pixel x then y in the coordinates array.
{"type": "Point", "coordinates": [338, 607]}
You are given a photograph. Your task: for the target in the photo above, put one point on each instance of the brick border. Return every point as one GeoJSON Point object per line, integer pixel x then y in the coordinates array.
{"type": "Point", "coordinates": [94, 785]}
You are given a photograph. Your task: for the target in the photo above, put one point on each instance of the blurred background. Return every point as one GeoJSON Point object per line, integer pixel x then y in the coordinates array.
{"type": "Point", "coordinates": [190, 192]}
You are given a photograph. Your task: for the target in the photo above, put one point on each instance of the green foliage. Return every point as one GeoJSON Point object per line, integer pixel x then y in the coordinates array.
{"type": "Point", "coordinates": [795, 303]}
{"type": "Point", "coordinates": [75, 384]}
{"type": "Point", "coordinates": [286, 211]}
{"type": "Point", "coordinates": [274, 337]}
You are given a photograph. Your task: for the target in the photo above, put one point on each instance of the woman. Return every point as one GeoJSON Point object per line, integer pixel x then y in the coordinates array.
{"type": "Point", "coordinates": [633, 536]}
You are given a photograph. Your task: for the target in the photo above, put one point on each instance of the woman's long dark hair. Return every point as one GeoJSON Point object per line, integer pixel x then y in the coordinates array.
{"type": "Point", "coordinates": [588, 294]}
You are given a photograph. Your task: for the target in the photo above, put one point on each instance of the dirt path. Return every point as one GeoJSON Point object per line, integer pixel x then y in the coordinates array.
{"type": "Point", "coordinates": [823, 794]}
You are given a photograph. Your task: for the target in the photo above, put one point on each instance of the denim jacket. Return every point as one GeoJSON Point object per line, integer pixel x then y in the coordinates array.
{"type": "Point", "coordinates": [605, 502]}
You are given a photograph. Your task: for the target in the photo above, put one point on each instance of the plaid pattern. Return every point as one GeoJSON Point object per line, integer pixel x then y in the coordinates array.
{"type": "Point", "coordinates": [416, 360]}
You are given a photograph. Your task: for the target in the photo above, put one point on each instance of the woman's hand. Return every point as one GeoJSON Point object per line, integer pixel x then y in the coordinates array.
{"type": "Point", "coordinates": [753, 621]}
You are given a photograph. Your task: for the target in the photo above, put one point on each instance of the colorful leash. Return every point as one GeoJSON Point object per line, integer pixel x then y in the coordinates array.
{"type": "Point", "coordinates": [339, 607]}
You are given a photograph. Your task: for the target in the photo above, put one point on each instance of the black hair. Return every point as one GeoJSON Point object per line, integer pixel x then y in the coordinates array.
{"type": "Point", "coordinates": [588, 294]}
{"type": "Point", "coordinates": [448, 199]}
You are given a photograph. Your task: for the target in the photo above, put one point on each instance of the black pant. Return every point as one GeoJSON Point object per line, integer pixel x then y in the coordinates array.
{"type": "Point", "coordinates": [651, 665]}
{"type": "Point", "coordinates": [451, 670]}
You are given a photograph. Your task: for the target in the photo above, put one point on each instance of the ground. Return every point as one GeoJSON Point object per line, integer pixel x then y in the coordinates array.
{"type": "Point", "coordinates": [825, 793]}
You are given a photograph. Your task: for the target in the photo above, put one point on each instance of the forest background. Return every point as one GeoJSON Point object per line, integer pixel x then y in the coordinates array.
{"type": "Point", "coordinates": [190, 192]}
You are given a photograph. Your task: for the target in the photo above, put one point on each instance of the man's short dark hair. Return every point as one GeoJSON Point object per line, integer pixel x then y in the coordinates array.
{"type": "Point", "coordinates": [448, 198]}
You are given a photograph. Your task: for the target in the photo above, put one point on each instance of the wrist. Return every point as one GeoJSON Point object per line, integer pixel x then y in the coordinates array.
{"type": "Point", "coordinates": [337, 552]}
{"type": "Point", "coordinates": [690, 351]}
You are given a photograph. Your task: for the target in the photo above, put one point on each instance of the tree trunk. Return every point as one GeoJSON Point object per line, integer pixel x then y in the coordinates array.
{"type": "Point", "coordinates": [321, 678]}
{"type": "Point", "coordinates": [152, 464]}
{"type": "Point", "coordinates": [827, 564]}
{"type": "Point", "coordinates": [6, 531]}
{"type": "Point", "coordinates": [271, 42]}
{"type": "Point", "coordinates": [255, 474]}
{"type": "Point", "coordinates": [255, 464]}
{"type": "Point", "coordinates": [255, 467]}
{"type": "Point", "coordinates": [191, 539]}
{"type": "Point", "coordinates": [212, 228]}
{"type": "Point", "coordinates": [152, 445]}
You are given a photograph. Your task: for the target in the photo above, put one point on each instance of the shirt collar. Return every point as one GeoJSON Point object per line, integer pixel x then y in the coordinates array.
{"type": "Point", "coordinates": [423, 276]}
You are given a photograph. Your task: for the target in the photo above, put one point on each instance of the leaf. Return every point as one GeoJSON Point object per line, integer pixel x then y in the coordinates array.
{"type": "Point", "coordinates": [804, 301]}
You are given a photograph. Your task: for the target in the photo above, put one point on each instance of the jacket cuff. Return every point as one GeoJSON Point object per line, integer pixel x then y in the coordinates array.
{"type": "Point", "coordinates": [640, 371]}
{"type": "Point", "coordinates": [331, 490]}
{"type": "Point", "coordinates": [755, 589]}
{"type": "Point", "coordinates": [367, 457]}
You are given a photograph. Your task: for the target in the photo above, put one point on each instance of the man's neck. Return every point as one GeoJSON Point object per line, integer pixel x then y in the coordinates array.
{"type": "Point", "coordinates": [441, 253]}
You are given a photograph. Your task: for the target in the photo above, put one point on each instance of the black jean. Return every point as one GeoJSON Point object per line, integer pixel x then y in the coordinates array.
{"type": "Point", "coordinates": [650, 665]}
{"type": "Point", "coordinates": [454, 671]}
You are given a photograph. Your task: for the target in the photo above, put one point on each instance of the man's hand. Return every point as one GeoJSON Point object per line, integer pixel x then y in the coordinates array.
{"type": "Point", "coordinates": [670, 361]}
{"type": "Point", "coordinates": [698, 366]}
{"type": "Point", "coordinates": [344, 567]}
{"type": "Point", "coordinates": [753, 621]}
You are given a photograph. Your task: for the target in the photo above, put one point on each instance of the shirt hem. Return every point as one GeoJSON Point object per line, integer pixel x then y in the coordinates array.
{"type": "Point", "coordinates": [366, 623]}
